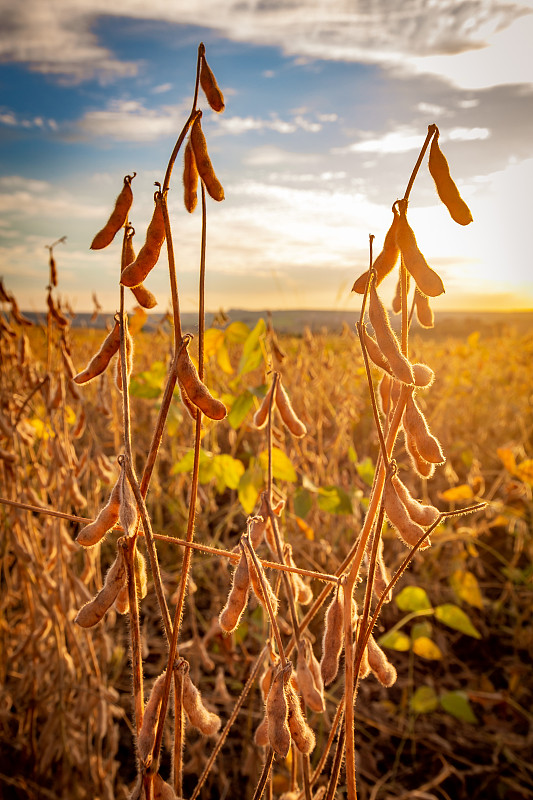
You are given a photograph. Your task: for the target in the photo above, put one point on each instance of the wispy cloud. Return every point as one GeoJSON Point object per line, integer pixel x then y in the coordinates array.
{"type": "Point", "coordinates": [127, 121]}
{"type": "Point", "coordinates": [12, 120]}
{"type": "Point", "coordinates": [58, 38]}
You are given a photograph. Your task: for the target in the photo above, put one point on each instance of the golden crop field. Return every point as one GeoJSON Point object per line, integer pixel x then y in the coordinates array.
{"type": "Point", "coordinates": [245, 564]}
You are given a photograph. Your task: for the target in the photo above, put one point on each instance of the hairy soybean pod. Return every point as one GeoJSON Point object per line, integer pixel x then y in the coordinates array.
{"type": "Point", "coordinates": [424, 312]}
{"type": "Point", "coordinates": [420, 513]}
{"type": "Point", "coordinates": [146, 739]}
{"type": "Point", "coordinates": [408, 530]}
{"type": "Point", "coordinates": [190, 179]}
{"type": "Point", "coordinates": [422, 467]}
{"type": "Point", "coordinates": [135, 273]}
{"type": "Point", "coordinates": [387, 340]}
{"type": "Point", "coordinates": [203, 162]}
{"type": "Point", "coordinates": [385, 261]}
{"type": "Point", "coordinates": [100, 361]}
{"type": "Point", "coordinates": [261, 733]}
{"type": "Point", "coordinates": [238, 597]}
{"type": "Point", "coordinates": [261, 415]}
{"type": "Point", "coordinates": [197, 392]}
{"type": "Point", "coordinates": [384, 671]}
{"type": "Point", "coordinates": [333, 637]}
{"type": "Point", "coordinates": [277, 711]}
{"type": "Point", "coordinates": [446, 188]}
{"type": "Point", "coordinates": [301, 733]}
{"type": "Point", "coordinates": [312, 693]}
{"type": "Point", "coordinates": [415, 423]}
{"type": "Point", "coordinates": [129, 361]}
{"type": "Point", "coordinates": [426, 278]}
{"type": "Point", "coordinates": [93, 611]}
{"type": "Point", "coordinates": [257, 579]}
{"type": "Point", "coordinates": [424, 376]}
{"type": "Point", "coordinates": [118, 216]}
{"type": "Point", "coordinates": [205, 721]}
{"type": "Point", "coordinates": [214, 96]}
{"type": "Point", "coordinates": [144, 296]}
{"type": "Point", "coordinates": [288, 414]}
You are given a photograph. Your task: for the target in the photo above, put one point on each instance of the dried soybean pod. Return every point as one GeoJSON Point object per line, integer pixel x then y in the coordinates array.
{"type": "Point", "coordinates": [57, 315]}
{"type": "Point", "coordinates": [261, 415]}
{"type": "Point", "coordinates": [100, 361]}
{"type": "Point", "coordinates": [269, 530]}
{"type": "Point", "coordinates": [19, 318]}
{"type": "Point", "coordinates": [93, 611]}
{"type": "Point", "coordinates": [385, 261]}
{"type": "Point", "coordinates": [205, 721]}
{"type": "Point", "coordinates": [424, 312]}
{"type": "Point", "coordinates": [107, 518]}
{"type": "Point", "coordinates": [381, 576]}
{"type": "Point", "coordinates": [302, 735]}
{"type": "Point", "coordinates": [146, 738]}
{"type": "Point", "coordinates": [333, 637]}
{"type": "Point", "coordinates": [408, 531]}
{"type": "Point", "coordinates": [446, 188]}
{"type": "Point", "coordinates": [122, 602]}
{"type": "Point", "coordinates": [144, 296]}
{"type": "Point", "coordinates": [426, 278]}
{"type": "Point", "coordinates": [185, 399]}
{"type": "Point", "coordinates": [190, 179]}
{"type": "Point", "coordinates": [214, 96]}
{"type": "Point", "coordinates": [257, 579]}
{"type": "Point", "coordinates": [203, 162]}
{"type": "Point", "coordinates": [261, 733]}
{"type": "Point", "coordinates": [387, 340]}
{"type": "Point", "coordinates": [302, 592]}
{"type": "Point", "coordinates": [129, 360]}
{"type": "Point", "coordinates": [53, 269]}
{"type": "Point", "coordinates": [128, 506]}
{"type": "Point", "coordinates": [277, 712]}
{"type": "Point", "coordinates": [384, 671]}
{"type": "Point", "coordinates": [135, 273]}
{"type": "Point", "coordinates": [118, 216]}
{"type": "Point", "coordinates": [422, 467]}
{"type": "Point", "coordinates": [420, 513]}
{"type": "Point", "coordinates": [426, 444]}
{"type": "Point", "coordinates": [374, 352]}
{"type": "Point", "coordinates": [162, 789]}
{"type": "Point", "coordinates": [288, 414]}
{"type": "Point", "coordinates": [312, 694]}
{"type": "Point", "coordinates": [197, 392]}
{"type": "Point", "coordinates": [424, 376]}
{"type": "Point", "coordinates": [397, 299]}
{"type": "Point", "coordinates": [231, 614]}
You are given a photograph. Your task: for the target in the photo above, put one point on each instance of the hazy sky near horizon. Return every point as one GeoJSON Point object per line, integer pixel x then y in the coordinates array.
{"type": "Point", "coordinates": [327, 105]}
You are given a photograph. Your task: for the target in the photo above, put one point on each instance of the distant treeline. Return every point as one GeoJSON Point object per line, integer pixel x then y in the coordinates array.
{"type": "Point", "coordinates": [294, 322]}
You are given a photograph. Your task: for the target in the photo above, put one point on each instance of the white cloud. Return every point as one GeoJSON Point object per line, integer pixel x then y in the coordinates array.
{"type": "Point", "coordinates": [128, 121]}
{"type": "Point", "coordinates": [445, 38]}
{"type": "Point", "coordinates": [13, 120]}
{"type": "Point", "coordinates": [268, 155]}
{"type": "Point", "coordinates": [400, 141]}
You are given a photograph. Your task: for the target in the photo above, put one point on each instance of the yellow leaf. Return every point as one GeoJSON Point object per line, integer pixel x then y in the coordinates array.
{"type": "Point", "coordinates": [223, 359]}
{"type": "Point", "coordinates": [524, 471]}
{"type": "Point", "coordinates": [425, 647]}
{"type": "Point", "coordinates": [507, 458]}
{"type": "Point", "coordinates": [456, 493]}
{"type": "Point", "coordinates": [138, 319]}
{"type": "Point", "coordinates": [305, 528]}
{"type": "Point", "coordinates": [466, 587]}
{"type": "Point", "coordinates": [213, 340]}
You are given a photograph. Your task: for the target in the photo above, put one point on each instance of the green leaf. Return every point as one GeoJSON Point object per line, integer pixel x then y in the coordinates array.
{"type": "Point", "coordinates": [302, 503]}
{"type": "Point", "coordinates": [237, 332]}
{"type": "Point", "coordinates": [185, 464]}
{"type": "Point", "coordinates": [366, 470]}
{"type": "Point", "coordinates": [419, 629]}
{"type": "Point", "coordinates": [149, 384]}
{"type": "Point", "coordinates": [395, 640]}
{"type": "Point", "coordinates": [455, 617]}
{"type": "Point", "coordinates": [466, 587]}
{"type": "Point", "coordinates": [458, 705]}
{"type": "Point", "coordinates": [282, 468]}
{"type": "Point", "coordinates": [252, 354]}
{"type": "Point", "coordinates": [412, 598]}
{"type": "Point", "coordinates": [213, 340]}
{"type": "Point", "coordinates": [352, 455]}
{"type": "Point", "coordinates": [250, 484]}
{"type": "Point", "coordinates": [426, 647]}
{"type": "Point", "coordinates": [424, 700]}
{"type": "Point", "coordinates": [240, 409]}
{"type": "Point", "coordinates": [227, 471]}
{"type": "Point", "coordinates": [335, 500]}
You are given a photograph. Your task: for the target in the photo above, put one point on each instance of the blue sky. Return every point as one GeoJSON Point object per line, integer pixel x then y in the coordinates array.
{"type": "Point", "coordinates": [327, 104]}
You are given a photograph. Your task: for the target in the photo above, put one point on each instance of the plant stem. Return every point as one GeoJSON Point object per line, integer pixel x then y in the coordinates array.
{"type": "Point", "coordinates": [431, 130]}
